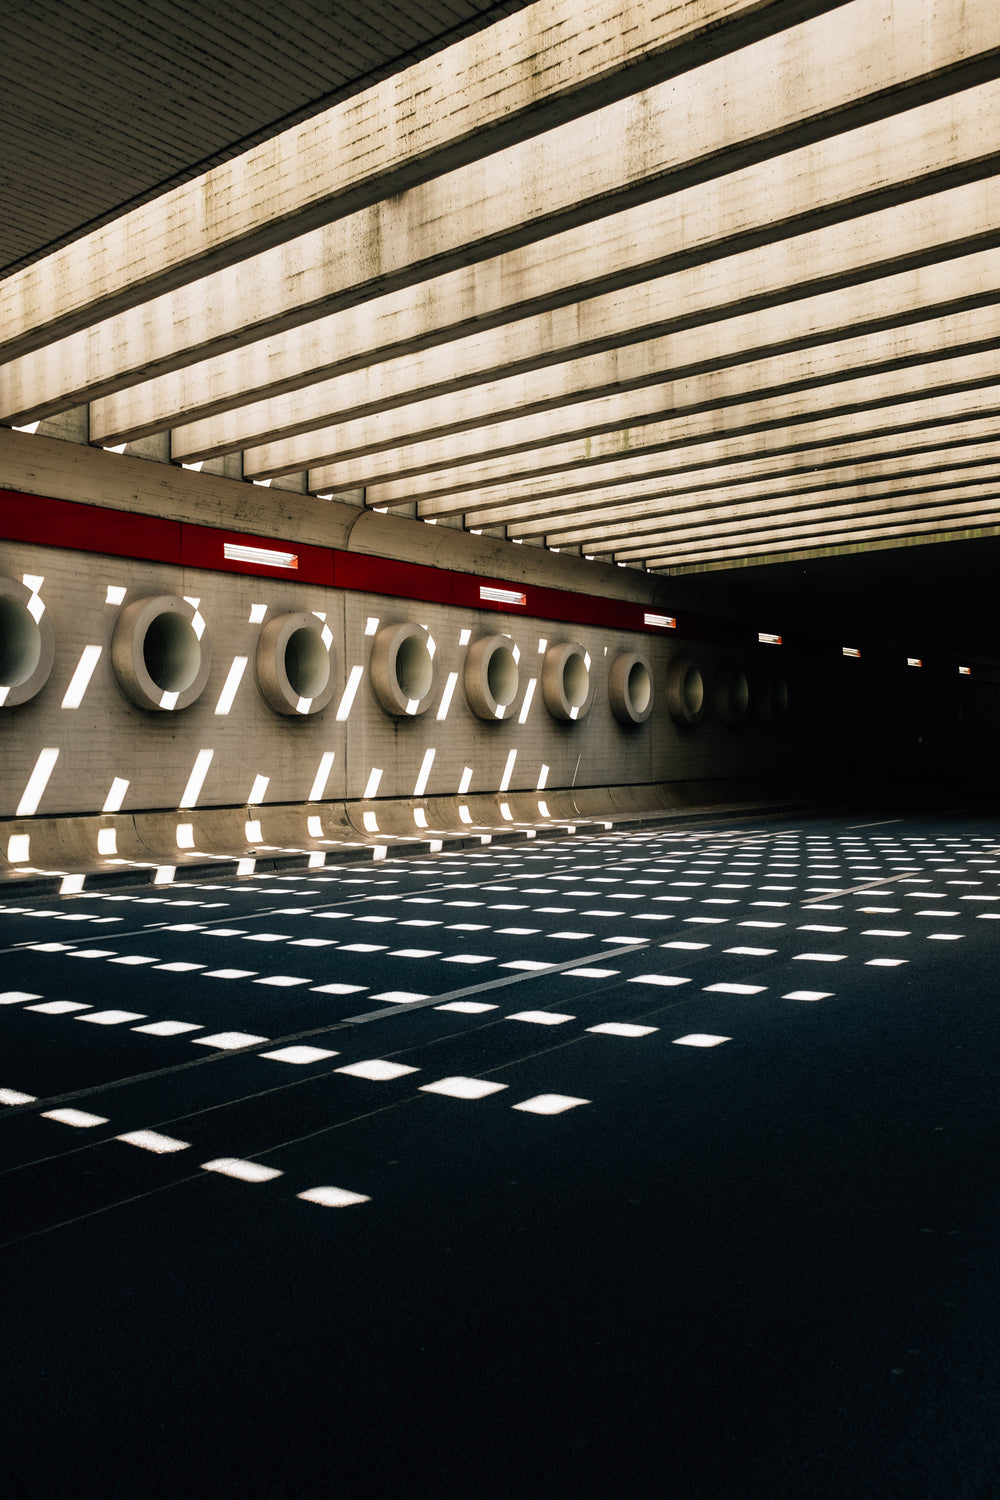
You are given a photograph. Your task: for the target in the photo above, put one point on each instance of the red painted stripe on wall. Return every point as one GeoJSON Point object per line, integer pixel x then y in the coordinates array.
{"type": "Point", "coordinates": [95, 528]}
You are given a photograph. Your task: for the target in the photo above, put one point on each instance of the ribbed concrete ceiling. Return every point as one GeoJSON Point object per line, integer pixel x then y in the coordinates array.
{"type": "Point", "coordinates": [679, 287]}
{"type": "Point", "coordinates": [108, 103]}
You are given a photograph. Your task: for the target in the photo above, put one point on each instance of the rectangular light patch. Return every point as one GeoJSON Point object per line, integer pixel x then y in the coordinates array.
{"type": "Point", "coordinates": [660, 622]}
{"type": "Point", "coordinates": [265, 557]}
{"type": "Point", "coordinates": [767, 639]}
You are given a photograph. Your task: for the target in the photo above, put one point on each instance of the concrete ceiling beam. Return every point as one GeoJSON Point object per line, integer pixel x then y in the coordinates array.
{"type": "Point", "coordinates": [824, 76]}
{"type": "Point", "coordinates": [844, 175]}
{"type": "Point", "coordinates": [525, 74]}
{"type": "Point", "coordinates": [738, 341]}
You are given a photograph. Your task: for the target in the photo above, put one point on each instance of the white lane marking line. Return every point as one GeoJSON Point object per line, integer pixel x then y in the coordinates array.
{"type": "Point", "coordinates": [151, 1140]}
{"type": "Point", "coordinates": [337, 989]}
{"type": "Point", "coordinates": [884, 963]}
{"type": "Point", "coordinates": [884, 932]}
{"type": "Point", "coordinates": [416, 953]}
{"type": "Point", "coordinates": [462, 1088]}
{"type": "Point", "coordinates": [574, 937]}
{"type": "Point", "coordinates": [808, 995]}
{"type": "Point", "coordinates": [528, 964]}
{"type": "Point", "coordinates": [621, 1028]}
{"type": "Point", "coordinates": [50, 947]}
{"type": "Point", "coordinates": [400, 997]}
{"type": "Point", "coordinates": [93, 953]}
{"type": "Point", "coordinates": [77, 1117]}
{"type": "Point", "coordinates": [332, 1197]}
{"type": "Point", "coordinates": [751, 952]}
{"type": "Point", "coordinates": [228, 1041]}
{"type": "Point", "coordinates": [944, 937]}
{"type": "Point", "coordinates": [550, 1104]}
{"type": "Point", "coordinates": [469, 958]}
{"type": "Point", "coordinates": [590, 973]}
{"type": "Point", "coordinates": [313, 943]}
{"type": "Point", "coordinates": [17, 997]}
{"type": "Point", "coordinates": [820, 958]}
{"type": "Point", "coordinates": [377, 1070]}
{"type": "Point", "coordinates": [299, 1055]}
{"type": "Point", "coordinates": [700, 1039]}
{"type": "Point", "coordinates": [229, 974]}
{"type": "Point", "coordinates": [179, 967]}
{"type": "Point", "coordinates": [679, 943]}
{"type": "Point", "coordinates": [282, 981]}
{"type": "Point", "coordinates": [540, 1017]}
{"type": "Point", "coordinates": [112, 1017]}
{"type": "Point", "coordinates": [467, 1007]}
{"type": "Point", "coordinates": [246, 1171]}
{"type": "Point", "coordinates": [134, 959]}
{"type": "Point", "coordinates": [363, 947]}
{"type": "Point", "coordinates": [11, 1096]}
{"type": "Point", "coordinates": [169, 1028]}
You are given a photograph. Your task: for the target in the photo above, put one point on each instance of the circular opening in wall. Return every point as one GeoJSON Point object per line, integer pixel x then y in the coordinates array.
{"type": "Point", "coordinates": [640, 686]}
{"type": "Point", "coordinates": [502, 676]}
{"type": "Point", "coordinates": [171, 653]}
{"type": "Point", "coordinates": [732, 696]}
{"type": "Point", "coordinates": [630, 688]}
{"type": "Point", "coordinates": [414, 668]}
{"type": "Point", "coordinates": [566, 681]}
{"type": "Point", "coordinates": [491, 677]}
{"type": "Point", "coordinates": [307, 663]}
{"type": "Point", "coordinates": [293, 664]}
{"type": "Point", "coordinates": [685, 692]}
{"type": "Point", "coordinates": [20, 643]}
{"type": "Point", "coordinates": [576, 680]}
{"type": "Point", "coordinates": [159, 660]}
{"type": "Point", "coordinates": [402, 669]}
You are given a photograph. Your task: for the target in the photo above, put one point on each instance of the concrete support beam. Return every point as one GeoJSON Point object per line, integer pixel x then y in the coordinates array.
{"type": "Point", "coordinates": [823, 77]}
{"type": "Point", "coordinates": [735, 510]}
{"type": "Point", "coordinates": [823, 319]}
{"type": "Point", "coordinates": [552, 62]}
{"type": "Point", "coordinates": [854, 173]}
{"type": "Point", "coordinates": [921, 234]}
{"type": "Point", "coordinates": [621, 509]}
{"type": "Point", "coordinates": [830, 532]}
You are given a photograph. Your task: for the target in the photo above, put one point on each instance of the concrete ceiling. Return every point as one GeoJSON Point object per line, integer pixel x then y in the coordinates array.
{"type": "Point", "coordinates": [688, 290]}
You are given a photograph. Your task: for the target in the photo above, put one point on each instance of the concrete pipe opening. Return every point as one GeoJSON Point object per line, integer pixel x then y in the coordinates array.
{"type": "Point", "coordinates": [630, 688]}
{"type": "Point", "coordinates": [293, 664]}
{"type": "Point", "coordinates": [732, 696]}
{"type": "Point", "coordinates": [685, 692]}
{"type": "Point", "coordinates": [567, 686]}
{"type": "Point", "coordinates": [492, 677]}
{"type": "Point", "coordinates": [402, 669]}
{"type": "Point", "coordinates": [160, 658]}
{"type": "Point", "coordinates": [27, 645]}
{"type": "Point", "coordinates": [774, 701]}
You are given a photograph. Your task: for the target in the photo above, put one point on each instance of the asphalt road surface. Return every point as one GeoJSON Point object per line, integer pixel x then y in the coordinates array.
{"type": "Point", "coordinates": [661, 1162]}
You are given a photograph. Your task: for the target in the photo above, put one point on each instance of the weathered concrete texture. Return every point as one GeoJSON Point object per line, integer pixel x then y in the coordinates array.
{"type": "Point", "coordinates": [822, 76]}
{"type": "Point", "coordinates": [851, 173]}
{"type": "Point", "coordinates": [727, 348]}
{"type": "Point", "coordinates": [522, 76]}
{"type": "Point", "coordinates": [816, 389]}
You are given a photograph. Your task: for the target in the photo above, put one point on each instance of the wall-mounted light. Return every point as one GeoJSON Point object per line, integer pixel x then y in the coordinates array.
{"type": "Point", "coordinates": [501, 596]}
{"type": "Point", "coordinates": [767, 639]}
{"type": "Point", "coordinates": [660, 622]}
{"type": "Point", "coordinates": [265, 557]}
{"type": "Point", "coordinates": [850, 651]}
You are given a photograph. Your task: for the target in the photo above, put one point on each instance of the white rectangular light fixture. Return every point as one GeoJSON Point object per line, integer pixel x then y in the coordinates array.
{"type": "Point", "coordinates": [767, 639]}
{"type": "Point", "coordinates": [914, 661]}
{"type": "Point", "coordinates": [965, 671]}
{"type": "Point", "coordinates": [501, 596]}
{"type": "Point", "coordinates": [663, 622]}
{"type": "Point", "coordinates": [267, 557]}
{"type": "Point", "coordinates": [850, 650]}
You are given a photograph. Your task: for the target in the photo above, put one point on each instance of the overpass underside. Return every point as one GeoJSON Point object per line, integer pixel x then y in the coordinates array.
{"type": "Point", "coordinates": [595, 418]}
